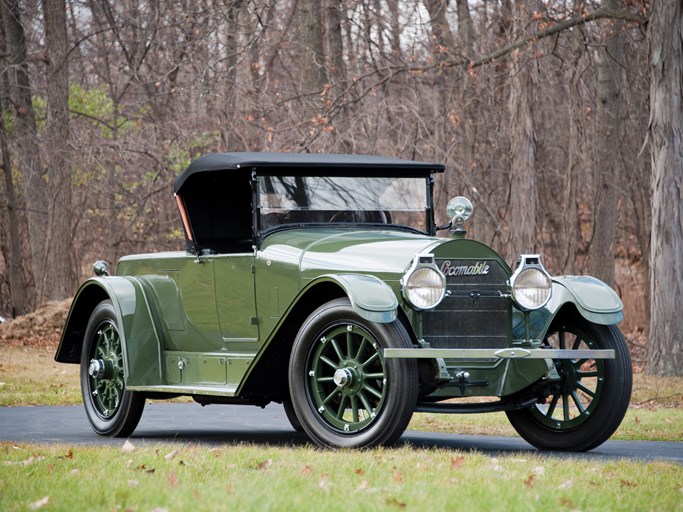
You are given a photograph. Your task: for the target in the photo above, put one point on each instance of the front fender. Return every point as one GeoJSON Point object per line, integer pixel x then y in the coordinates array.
{"type": "Point", "coordinates": [370, 297]}
{"type": "Point", "coordinates": [596, 301]}
{"type": "Point", "coordinates": [140, 338]}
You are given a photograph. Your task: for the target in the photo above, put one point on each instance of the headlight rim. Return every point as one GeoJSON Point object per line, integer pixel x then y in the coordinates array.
{"type": "Point", "coordinates": [422, 262]}
{"type": "Point", "coordinates": [530, 262]}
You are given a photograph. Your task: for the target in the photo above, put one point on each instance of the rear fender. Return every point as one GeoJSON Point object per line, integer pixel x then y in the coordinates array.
{"type": "Point", "coordinates": [370, 297]}
{"type": "Point", "coordinates": [140, 338]}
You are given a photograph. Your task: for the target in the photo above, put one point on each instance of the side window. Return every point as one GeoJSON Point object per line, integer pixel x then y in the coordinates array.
{"type": "Point", "coordinates": [219, 209]}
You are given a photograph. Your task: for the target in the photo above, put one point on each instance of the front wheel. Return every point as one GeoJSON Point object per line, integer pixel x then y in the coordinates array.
{"type": "Point", "coordinates": [588, 397]}
{"type": "Point", "coordinates": [111, 409]}
{"type": "Point", "coordinates": [345, 393]}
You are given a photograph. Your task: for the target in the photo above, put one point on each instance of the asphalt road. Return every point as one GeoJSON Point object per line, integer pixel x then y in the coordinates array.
{"type": "Point", "coordinates": [233, 424]}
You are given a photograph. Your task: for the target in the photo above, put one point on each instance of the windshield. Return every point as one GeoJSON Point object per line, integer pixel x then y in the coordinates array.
{"type": "Point", "coordinates": [286, 200]}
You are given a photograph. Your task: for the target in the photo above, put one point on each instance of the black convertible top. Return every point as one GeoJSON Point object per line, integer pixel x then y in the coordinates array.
{"type": "Point", "coordinates": [306, 164]}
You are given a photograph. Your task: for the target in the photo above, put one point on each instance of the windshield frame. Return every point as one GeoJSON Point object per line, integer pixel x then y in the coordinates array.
{"type": "Point", "coordinates": [261, 234]}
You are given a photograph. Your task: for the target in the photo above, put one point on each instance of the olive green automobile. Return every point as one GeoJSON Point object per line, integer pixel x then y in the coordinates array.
{"type": "Point", "coordinates": [319, 282]}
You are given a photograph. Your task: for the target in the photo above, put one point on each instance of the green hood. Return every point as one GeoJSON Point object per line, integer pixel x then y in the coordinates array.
{"type": "Point", "coordinates": [343, 250]}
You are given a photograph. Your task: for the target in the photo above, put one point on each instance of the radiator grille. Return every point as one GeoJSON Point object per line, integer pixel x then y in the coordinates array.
{"type": "Point", "coordinates": [476, 312]}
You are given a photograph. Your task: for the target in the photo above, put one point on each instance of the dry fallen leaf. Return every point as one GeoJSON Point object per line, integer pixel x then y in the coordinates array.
{"type": "Point", "coordinates": [529, 481]}
{"type": "Point", "coordinates": [306, 471]}
{"type": "Point", "coordinates": [172, 479]}
{"type": "Point", "coordinates": [265, 464]}
{"type": "Point", "coordinates": [568, 484]}
{"type": "Point", "coordinates": [359, 471]}
{"type": "Point", "coordinates": [457, 462]}
{"type": "Point", "coordinates": [626, 483]}
{"type": "Point", "coordinates": [398, 477]}
{"type": "Point", "coordinates": [363, 485]}
{"type": "Point", "coordinates": [172, 455]}
{"type": "Point", "coordinates": [394, 502]}
{"type": "Point", "coordinates": [127, 447]}
{"type": "Point", "coordinates": [40, 503]}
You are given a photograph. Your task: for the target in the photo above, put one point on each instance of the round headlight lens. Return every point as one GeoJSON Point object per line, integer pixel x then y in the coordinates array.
{"type": "Point", "coordinates": [425, 287]}
{"type": "Point", "coordinates": [531, 288]}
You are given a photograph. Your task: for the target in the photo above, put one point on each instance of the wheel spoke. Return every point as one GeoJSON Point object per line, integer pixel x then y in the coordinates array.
{"type": "Point", "coordinates": [577, 402]}
{"type": "Point", "coordinates": [349, 344]}
{"type": "Point", "coordinates": [361, 348]}
{"type": "Point", "coordinates": [354, 408]}
{"type": "Point", "coordinates": [588, 374]}
{"type": "Point", "coordinates": [583, 388]}
{"type": "Point", "coordinates": [565, 407]}
{"type": "Point", "coordinates": [372, 390]}
{"type": "Point", "coordinates": [379, 375]}
{"type": "Point", "coordinates": [560, 336]}
{"type": "Point", "coordinates": [551, 407]}
{"type": "Point", "coordinates": [329, 397]}
{"type": "Point", "coordinates": [336, 349]}
{"type": "Point", "coordinates": [374, 356]}
{"type": "Point", "coordinates": [577, 343]}
{"type": "Point", "coordinates": [342, 407]}
{"type": "Point", "coordinates": [325, 379]}
{"type": "Point", "coordinates": [329, 362]}
{"type": "Point", "coordinates": [365, 402]}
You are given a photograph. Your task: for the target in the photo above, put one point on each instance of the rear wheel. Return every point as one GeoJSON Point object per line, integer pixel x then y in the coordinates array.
{"type": "Point", "coordinates": [345, 393]}
{"type": "Point", "coordinates": [590, 399]}
{"type": "Point", "coordinates": [111, 409]}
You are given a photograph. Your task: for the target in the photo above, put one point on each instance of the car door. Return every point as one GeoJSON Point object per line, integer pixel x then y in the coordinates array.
{"type": "Point", "coordinates": [235, 301]}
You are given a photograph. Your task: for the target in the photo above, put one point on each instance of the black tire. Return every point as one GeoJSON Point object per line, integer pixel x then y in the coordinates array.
{"type": "Point", "coordinates": [111, 409]}
{"type": "Point", "coordinates": [602, 387]}
{"type": "Point", "coordinates": [291, 415]}
{"type": "Point", "coordinates": [373, 399]}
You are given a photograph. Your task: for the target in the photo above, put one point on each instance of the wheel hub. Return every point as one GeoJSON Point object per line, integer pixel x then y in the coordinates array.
{"type": "Point", "coordinates": [343, 377]}
{"type": "Point", "coordinates": [101, 369]}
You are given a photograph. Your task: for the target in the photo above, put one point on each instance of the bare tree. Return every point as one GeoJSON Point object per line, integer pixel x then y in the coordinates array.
{"type": "Point", "coordinates": [11, 240]}
{"type": "Point", "coordinates": [665, 35]}
{"type": "Point", "coordinates": [523, 198]}
{"type": "Point", "coordinates": [26, 139]}
{"type": "Point", "coordinates": [59, 278]}
{"type": "Point", "coordinates": [607, 163]}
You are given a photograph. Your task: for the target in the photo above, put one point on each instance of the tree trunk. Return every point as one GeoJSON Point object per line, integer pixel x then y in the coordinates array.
{"type": "Point", "coordinates": [337, 71]}
{"type": "Point", "coordinates": [59, 276]}
{"type": "Point", "coordinates": [523, 209]}
{"type": "Point", "coordinates": [312, 58]}
{"type": "Point", "coordinates": [607, 171]}
{"type": "Point", "coordinates": [665, 34]}
{"type": "Point", "coordinates": [25, 135]}
{"type": "Point", "coordinates": [17, 298]}
{"type": "Point", "coordinates": [443, 48]}
{"type": "Point", "coordinates": [227, 113]}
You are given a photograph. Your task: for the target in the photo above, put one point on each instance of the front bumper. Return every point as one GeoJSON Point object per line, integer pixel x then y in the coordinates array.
{"type": "Point", "coordinates": [505, 353]}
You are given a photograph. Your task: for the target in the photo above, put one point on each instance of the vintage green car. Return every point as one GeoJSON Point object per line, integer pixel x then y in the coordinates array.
{"type": "Point", "coordinates": [318, 281]}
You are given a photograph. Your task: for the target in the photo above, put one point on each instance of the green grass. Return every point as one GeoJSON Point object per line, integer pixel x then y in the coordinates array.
{"type": "Point", "coordinates": [246, 477]}
{"type": "Point", "coordinates": [662, 424]}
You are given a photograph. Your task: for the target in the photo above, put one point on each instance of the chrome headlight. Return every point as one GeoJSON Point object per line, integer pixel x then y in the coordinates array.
{"type": "Point", "coordinates": [424, 286]}
{"type": "Point", "coordinates": [531, 285]}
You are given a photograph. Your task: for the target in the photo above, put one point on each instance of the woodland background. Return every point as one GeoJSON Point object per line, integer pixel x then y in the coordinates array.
{"type": "Point", "coordinates": [561, 120]}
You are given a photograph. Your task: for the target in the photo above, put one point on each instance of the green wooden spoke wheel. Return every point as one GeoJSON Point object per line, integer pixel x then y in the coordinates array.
{"type": "Point", "coordinates": [347, 377]}
{"type": "Point", "coordinates": [588, 397]}
{"type": "Point", "coordinates": [344, 392]}
{"type": "Point", "coordinates": [111, 409]}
